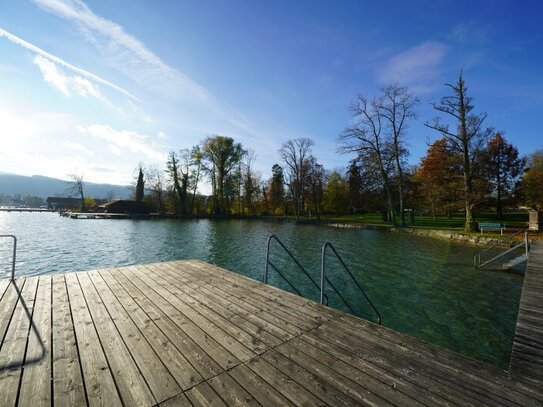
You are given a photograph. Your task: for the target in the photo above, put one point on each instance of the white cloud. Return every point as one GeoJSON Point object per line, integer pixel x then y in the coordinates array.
{"type": "Point", "coordinates": [417, 67]}
{"type": "Point", "coordinates": [52, 75]}
{"type": "Point", "coordinates": [59, 61]}
{"type": "Point", "coordinates": [114, 149]}
{"type": "Point", "coordinates": [124, 140]}
{"type": "Point", "coordinates": [132, 57]}
{"type": "Point", "coordinates": [126, 52]}
{"type": "Point", "coordinates": [162, 136]}
{"type": "Point", "coordinates": [67, 84]}
{"type": "Point", "coordinates": [76, 147]}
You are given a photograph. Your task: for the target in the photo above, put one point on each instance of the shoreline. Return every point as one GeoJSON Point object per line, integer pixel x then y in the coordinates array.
{"type": "Point", "coordinates": [448, 234]}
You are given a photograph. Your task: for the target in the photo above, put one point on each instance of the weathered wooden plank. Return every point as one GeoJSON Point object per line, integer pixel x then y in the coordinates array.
{"type": "Point", "coordinates": [128, 378]}
{"type": "Point", "coordinates": [204, 395]}
{"type": "Point", "coordinates": [196, 356]}
{"type": "Point", "coordinates": [7, 306]}
{"type": "Point", "coordinates": [275, 324]}
{"type": "Point", "coordinates": [311, 382]}
{"type": "Point", "coordinates": [307, 308]}
{"type": "Point", "coordinates": [4, 283]}
{"type": "Point", "coordinates": [179, 400]}
{"type": "Point", "coordinates": [13, 346]}
{"type": "Point", "coordinates": [379, 350]}
{"type": "Point", "coordinates": [371, 393]}
{"type": "Point", "coordinates": [222, 356]}
{"type": "Point", "coordinates": [395, 365]}
{"type": "Point", "coordinates": [414, 386]}
{"type": "Point", "coordinates": [237, 349]}
{"type": "Point", "coordinates": [36, 379]}
{"type": "Point", "coordinates": [68, 387]}
{"type": "Point", "coordinates": [352, 381]}
{"type": "Point", "coordinates": [259, 297]}
{"type": "Point", "coordinates": [527, 353]}
{"type": "Point", "coordinates": [218, 296]}
{"type": "Point", "coordinates": [244, 331]}
{"type": "Point", "coordinates": [282, 383]}
{"type": "Point", "coordinates": [257, 387]}
{"type": "Point", "coordinates": [100, 386]}
{"type": "Point", "coordinates": [443, 358]}
{"type": "Point", "coordinates": [181, 370]}
{"type": "Point", "coordinates": [160, 381]}
{"type": "Point", "coordinates": [231, 392]}
{"type": "Point", "coordinates": [155, 321]}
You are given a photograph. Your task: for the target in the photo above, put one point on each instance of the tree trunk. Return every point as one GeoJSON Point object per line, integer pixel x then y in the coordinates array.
{"type": "Point", "coordinates": [499, 208]}
{"type": "Point", "coordinates": [400, 184]}
{"type": "Point", "coordinates": [194, 190]}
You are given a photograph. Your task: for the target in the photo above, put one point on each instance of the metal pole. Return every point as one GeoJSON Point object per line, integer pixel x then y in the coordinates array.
{"type": "Point", "coordinates": [14, 256]}
{"type": "Point", "coordinates": [526, 242]}
{"type": "Point", "coordinates": [322, 271]}
{"type": "Point", "coordinates": [267, 260]}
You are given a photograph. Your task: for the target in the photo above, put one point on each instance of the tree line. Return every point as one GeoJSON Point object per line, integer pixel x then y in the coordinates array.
{"type": "Point", "coordinates": [469, 168]}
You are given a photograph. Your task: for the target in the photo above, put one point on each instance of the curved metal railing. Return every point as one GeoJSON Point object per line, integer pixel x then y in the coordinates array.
{"type": "Point", "coordinates": [14, 254]}
{"type": "Point", "coordinates": [325, 279]}
{"type": "Point", "coordinates": [477, 261]}
{"type": "Point", "coordinates": [511, 238]}
{"type": "Point", "coordinates": [283, 276]}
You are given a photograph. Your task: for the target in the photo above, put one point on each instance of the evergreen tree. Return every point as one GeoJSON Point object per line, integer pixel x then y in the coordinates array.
{"type": "Point", "coordinates": [140, 186]}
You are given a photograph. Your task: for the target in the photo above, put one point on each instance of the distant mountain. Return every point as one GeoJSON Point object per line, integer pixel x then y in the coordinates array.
{"type": "Point", "coordinates": [11, 184]}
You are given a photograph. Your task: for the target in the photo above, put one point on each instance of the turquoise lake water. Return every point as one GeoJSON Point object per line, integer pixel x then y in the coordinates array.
{"type": "Point", "coordinates": [422, 286]}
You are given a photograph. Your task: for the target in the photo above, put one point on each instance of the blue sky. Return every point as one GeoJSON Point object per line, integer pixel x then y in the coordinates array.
{"type": "Point", "coordinates": [95, 87]}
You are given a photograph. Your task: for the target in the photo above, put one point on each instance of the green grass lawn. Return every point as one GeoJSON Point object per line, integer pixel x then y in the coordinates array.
{"type": "Point", "coordinates": [455, 222]}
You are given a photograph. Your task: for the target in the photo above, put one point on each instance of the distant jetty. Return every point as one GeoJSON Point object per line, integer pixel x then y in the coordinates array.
{"type": "Point", "coordinates": [15, 209]}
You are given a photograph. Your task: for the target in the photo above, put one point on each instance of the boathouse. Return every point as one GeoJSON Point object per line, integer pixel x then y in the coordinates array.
{"type": "Point", "coordinates": [125, 206]}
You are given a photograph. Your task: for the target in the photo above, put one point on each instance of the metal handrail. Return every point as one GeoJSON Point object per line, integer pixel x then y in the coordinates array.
{"type": "Point", "coordinates": [269, 263]}
{"type": "Point", "coordinates": [477, 257]}
{"type": "Point", "coordinates": [14, 255]}
{"type": "Point", "coordinates": [324, 278]}
{"type": "Point", "coordinates": [524, 243]}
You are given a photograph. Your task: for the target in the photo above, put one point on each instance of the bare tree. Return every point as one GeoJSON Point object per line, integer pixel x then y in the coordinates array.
{"type": "Point", "coordinates": [196, 155]}
{"type": "Point", "coordinates": [155, 184]}
{"type": "Point", "coordinates": [315, 180]}
{"type": "Point", "coordinates": [469, 139]}
{"type": "Point", "coordinates": [294, 153]}
{"type": "Point", "coordinates": [367, 138]}
{"type": "Point", "coordinates": [250, 185]}
{"type": "Point", "coordinates": [172, 169]}
{"type": "Point", "coordinates": [178, 167]}
{"type": "Point", "coordinates": [77, 187]}
{"type": "Point", "coordinates": [397, 106]}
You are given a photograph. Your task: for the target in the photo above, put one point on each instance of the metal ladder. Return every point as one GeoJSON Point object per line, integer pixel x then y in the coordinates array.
{"type": "Point", "coordinates": [323, 278]}
{"type": "Point", "coordinates": [14, 254]}
{"type": "Point", "coordinates": [478, 263]}
{"type": "Point", "coordinates": [269, 263]}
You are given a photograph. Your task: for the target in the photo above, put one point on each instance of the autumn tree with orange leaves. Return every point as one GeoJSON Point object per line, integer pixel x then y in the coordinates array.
{"type": "Point", "coordinates": [439, 178]}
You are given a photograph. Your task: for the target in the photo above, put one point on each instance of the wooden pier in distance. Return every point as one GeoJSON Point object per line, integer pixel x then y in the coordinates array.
{"type": "Point", "coordinates": [185, 333]}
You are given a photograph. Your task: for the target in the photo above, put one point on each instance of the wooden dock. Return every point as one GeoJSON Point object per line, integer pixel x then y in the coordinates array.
{"type": "Point", "coordinates": [527, 355]}
{"type": "Point", "coordinates": [187, 333]}
{"type": "Point", "coordinates": [107, 215]}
